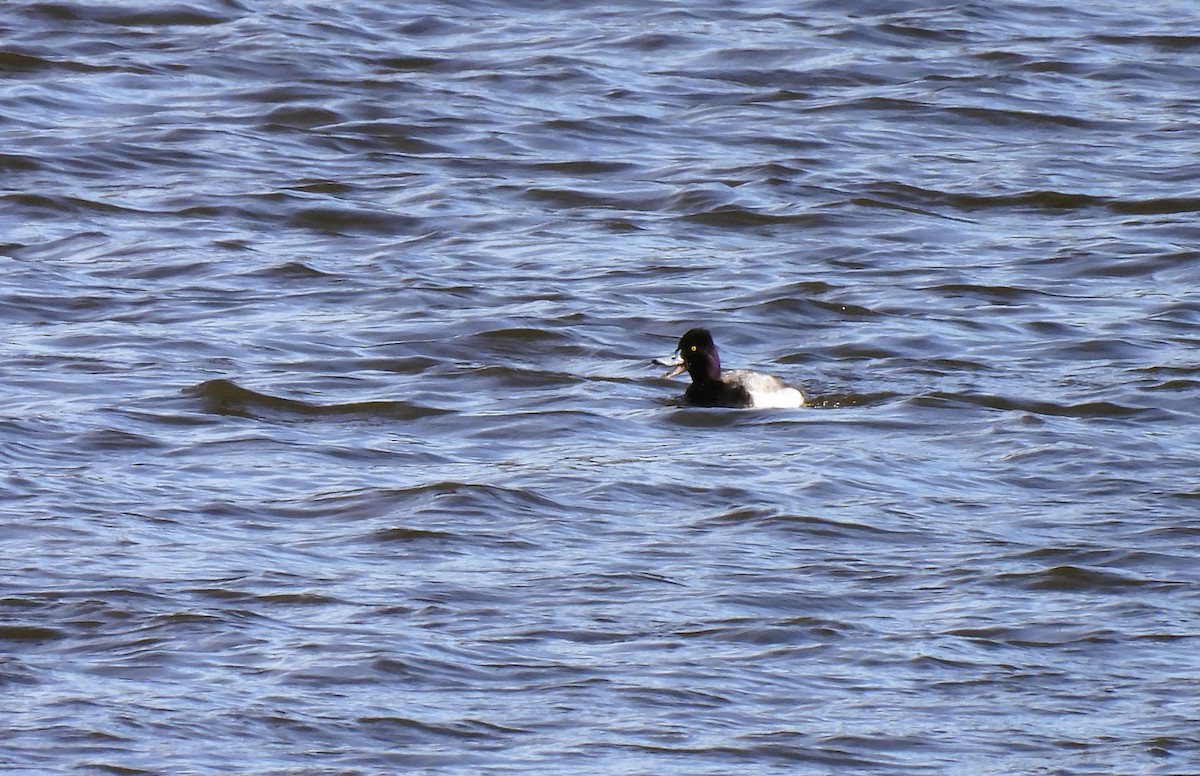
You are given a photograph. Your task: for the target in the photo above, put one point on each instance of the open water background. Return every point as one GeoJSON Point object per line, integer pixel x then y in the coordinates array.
{"type": "Point", "coordinates": [330, 440]}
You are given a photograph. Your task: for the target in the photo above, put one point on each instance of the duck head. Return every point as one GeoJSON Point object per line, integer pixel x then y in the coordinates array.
{"type": "Point", "coordinates": [698, 355]}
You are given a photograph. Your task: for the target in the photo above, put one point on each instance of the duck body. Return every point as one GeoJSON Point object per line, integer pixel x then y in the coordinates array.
{"type": "Point", "coordinates": [736, 388]}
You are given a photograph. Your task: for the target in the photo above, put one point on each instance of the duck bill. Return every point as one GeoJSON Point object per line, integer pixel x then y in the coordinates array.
{"type": "Point", "coordinates": [679, 368]}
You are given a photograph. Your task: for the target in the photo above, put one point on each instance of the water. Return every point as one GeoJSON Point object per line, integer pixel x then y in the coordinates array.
{"type": "Point", "coordinates": [332, 443]}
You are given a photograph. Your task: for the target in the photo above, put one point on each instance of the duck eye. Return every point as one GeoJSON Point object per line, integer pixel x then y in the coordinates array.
{"type": "Point", "coordinates": [693, 348]}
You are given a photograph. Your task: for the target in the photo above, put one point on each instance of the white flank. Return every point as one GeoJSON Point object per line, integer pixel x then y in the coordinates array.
{"type": "Point", "coordinates": [766, 391]}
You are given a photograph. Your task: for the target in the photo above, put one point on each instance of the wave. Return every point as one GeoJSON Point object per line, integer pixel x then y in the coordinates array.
{"type": "Point", "coordinates": [1087, 409]}
{"type": "Point", "coordinates": [225, 397]}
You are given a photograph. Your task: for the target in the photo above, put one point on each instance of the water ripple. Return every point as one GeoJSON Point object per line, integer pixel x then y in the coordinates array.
{"type": "Point", "coordinates": [330, 422]}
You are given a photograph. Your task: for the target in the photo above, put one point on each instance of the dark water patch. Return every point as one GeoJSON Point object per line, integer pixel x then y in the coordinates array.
{"type": "Point", "coordinates": [887, 205]}
{"type": "Point", "coordinates": [919, 34]}
{"type": "Point", "coordinates": [117, 770]}
{"type": "Point", "coordinates": [1152, 263]}
{"type": "Point", "coordinates": [873, 104]}
{"type": "Point", "coordinates": [164, 15]}
{"type": "Point", "coordinates": [991, 294]}
{"type": "Point", "coordinates": [402, 365]}
{"type": "Point", "coordinates": [21, 63]}
{"type": "Point", "coordinates": [794, 630]}
{"type": "Point", "coordinates": [795, 289]}
{"type": "Point", "coordinates": [832, 756]}
{"type": "Point", "coordinates": [482, 500]}
{"type": "Point", "coordinates": [323, 186]}
{"type": "Point", "coordinates": [1069, 578]}
{"type": "Point", "coordinates": [292, 270]}
{"type": "Point", "coordinates": [345, 220]}
{"type": "Point", "coordinates": [1154, 207]}
{"type": "Point", "coordinates": [418, 64]}
{"type": "Point", "coordinates": [224, 397]}
{"type": "Point", "coordinates": [1049, 635]}
{"type": "Point", "coordinates": [1039, 200]}
{"type": "Point", "coordinates": [160, 268]}
{"type": "Point", "coordinates": [39, 204]}
{"type": "Point", "coordinates": [301, 117]}
{"type": "Point", "coordinates": [583, 167]}
{"type": "Point", "coordinates": [802, 524]}
{"type": "Point", "coordinates": [1092, 409]}
{"type": "Point", "coordinates": [655, 41]}
{"type": "Point", "coordinates": [857, 351]}
{"type": "Point", "coordinates": [787, 307]}
{"type": "Point", "coordinates": [400, 728]}
{"type": "Point", "coordinates": [608, 583]}
{"type": "Point", "coordinates": [523, 378]}
{"type": "Point", "coordinates": [949, 366]}
{"type": "Point", "coordinates": [832, 400]}
{"type": "Point", "coordinates": [62, 309]}
{"type": "Point", "coordinates": [394, 136]}
{"type": "Point", "coordinates": [1181, 385]}
{"type": "Point", "coordinates": [679, 698]}
{"type": "Point", "coordinates": [1167, 378]}
{"type": "Point", "coordinates": [298, 599]}
{"type": "Point", "coordinates": [116, 439]}
{"type": "Point", "coordinates": [422, 508]}
{"type": "Point", "coordinates": [1056, 66]}
{"type": "Point", "coordinates": [735, 217]}
{"type": "Point", "coordinates": [516, 340]}
{"type": "Point", "coordinates": [633, 199]}
{"type": "Point", "coordinates": [403, 534]}
{"type": "Point", "coordinates": [221, 594]}
{"type": "Point", "coordinates": [1164, 42]}
{"type": "Point", "coordinates": [1080, 349]}
{"type": "Point", "coordinates": [1033, 200]}
{"type": "Point", "coordinates": [846, 310]}
{"type": "Point", "coordinates": [232, 594]}
{"type": "Point", "coordinates": [1034, 119]}
{"type": "Point", "coordinates": [31, 634]}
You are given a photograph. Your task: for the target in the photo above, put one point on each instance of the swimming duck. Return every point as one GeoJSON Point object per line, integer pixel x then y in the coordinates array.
{"type": "Point", "coordinates": [736, 388]}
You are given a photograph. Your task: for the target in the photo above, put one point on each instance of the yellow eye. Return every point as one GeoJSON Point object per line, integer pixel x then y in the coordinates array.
{"type": "Point", "coordinates": [693, 348]}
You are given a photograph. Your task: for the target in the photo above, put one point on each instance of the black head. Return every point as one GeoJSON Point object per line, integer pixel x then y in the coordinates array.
{"type": "Point", "coordinates": [699, 355]}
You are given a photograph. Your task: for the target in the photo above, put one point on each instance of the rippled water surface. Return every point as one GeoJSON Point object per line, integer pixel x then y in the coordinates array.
{"type": "Point", "coordinates": [332, 443]}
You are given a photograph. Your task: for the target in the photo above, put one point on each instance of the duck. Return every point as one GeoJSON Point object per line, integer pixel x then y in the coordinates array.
{"type": "Point", "coordinates": [736, 388]}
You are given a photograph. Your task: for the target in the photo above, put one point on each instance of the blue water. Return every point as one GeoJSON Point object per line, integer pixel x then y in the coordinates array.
{"type": "Point", "coordinates": [332, 440]}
